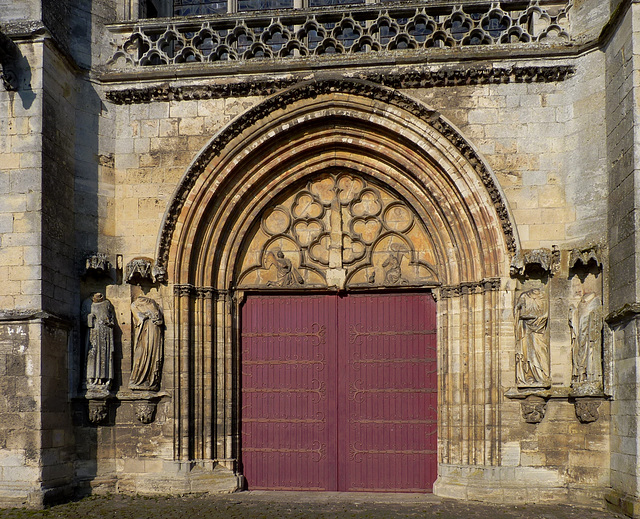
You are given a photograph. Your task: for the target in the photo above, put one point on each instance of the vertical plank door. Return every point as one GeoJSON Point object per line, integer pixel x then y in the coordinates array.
{"type": "Point", "coordinates": [387, 397]}
{"type": "Point", "coordinates": [339, 393]}
{"type": "Point", "coordinates": [288, 389]}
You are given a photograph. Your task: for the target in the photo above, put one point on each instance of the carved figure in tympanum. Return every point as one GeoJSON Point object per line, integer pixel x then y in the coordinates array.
{"type": "Point", "coordinates": [339, 229]}
{"type": "Point", "coordinates": [393, 268]}
{"type": "Point", "coordinates": [287, 275]}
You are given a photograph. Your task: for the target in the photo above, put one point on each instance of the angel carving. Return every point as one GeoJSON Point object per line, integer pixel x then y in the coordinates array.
{"type": "Point", "coordinates": [287, 274]}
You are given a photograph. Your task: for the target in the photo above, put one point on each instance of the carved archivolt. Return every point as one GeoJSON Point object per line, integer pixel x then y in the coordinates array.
{"type": "Point", "coordinates": [377, 110]}
{"type": "Point", "coordinates": [339, 230]}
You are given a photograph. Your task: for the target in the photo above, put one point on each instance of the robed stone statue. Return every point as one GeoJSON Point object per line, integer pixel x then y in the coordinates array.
{"type": "Point", "coordinates": [585, 322]}
{"type": "Point", "coordinates": [531, 314]}
{"type": "Point", "coordinates": [99, 316]}
{"type": "Point", "coordinates": [148, 345]}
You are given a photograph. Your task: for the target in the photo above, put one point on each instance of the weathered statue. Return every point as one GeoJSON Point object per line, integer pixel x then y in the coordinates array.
{"type": "Point", "coordinates": [287, 275]}
{"type": "Point", "coordinates": [532, 348]}
{"type": "Point", "coordinates": [148, 346]}
{"type": "Point", "coordinates": [393, 269]}
{"type": "Point", "coordinates": [98, 314]}
{"type": "Point", "coordinates": [585, 321]}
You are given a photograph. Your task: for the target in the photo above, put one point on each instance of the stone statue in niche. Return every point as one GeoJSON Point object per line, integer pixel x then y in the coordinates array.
{"type": "Point", "coordinates": [287, 274]}
{"type": "Point", "coordinates": [531, 314]}
{"type": "Point", "coordinates": [585, 322]}
{"type": "Point", "coordinates": [99, 316]}
{"type": "Point", "coordinates": [148, 345]}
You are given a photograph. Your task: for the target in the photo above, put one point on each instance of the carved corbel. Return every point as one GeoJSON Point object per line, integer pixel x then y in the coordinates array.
{"type": "Point", "coordinates": [159, 273]}
{"type": "Point", "coordinates": [548, 260]}
{"type": "Point", "coordinates": [98, 411]}
{"type": "Point", "coordinates": [533, 409]}
{"type": "Point", "coordinates": [8, 59]}
{"type": "Point", "coordinates": [139, 270]}
{"type": "Point", "coordinates": [145, 411]}
{"type": "Point", "coordinates": [587, 409]}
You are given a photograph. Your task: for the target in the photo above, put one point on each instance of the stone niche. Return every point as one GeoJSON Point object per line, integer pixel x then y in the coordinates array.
{"type": "Point", "coordinates": [559, 331]}
{"type": "Point", "coordinates": [339, 231]}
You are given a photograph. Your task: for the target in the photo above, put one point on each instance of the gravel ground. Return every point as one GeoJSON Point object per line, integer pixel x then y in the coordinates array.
{"type": "Point", "coordinates": [254, 505]}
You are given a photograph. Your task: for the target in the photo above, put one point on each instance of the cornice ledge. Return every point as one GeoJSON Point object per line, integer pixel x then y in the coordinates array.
{"type": "Point", "coordinates": [444, 77]}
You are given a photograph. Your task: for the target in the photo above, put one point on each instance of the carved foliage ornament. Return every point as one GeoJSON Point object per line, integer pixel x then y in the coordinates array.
{"type": "Point", "coordinates": [339, 230]}
{"type": "Point", "coordinates": [98, 411]}
{"type": "Point", "coordinates": [145, 411]}
{"type": "Point", "coordinates": [415, 79]}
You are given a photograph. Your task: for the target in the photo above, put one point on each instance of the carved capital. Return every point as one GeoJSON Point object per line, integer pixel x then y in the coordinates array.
{"type": "Point", "coordinates": [470, 287]}
{"type": "Point", "coordinates": [145, 411]}
{"type": "Point", "coordinates": [184, 290]}
{"type": "Point", "coordinates": [139, 270]}
{"type": "Point", "coordinates": [205, 292]}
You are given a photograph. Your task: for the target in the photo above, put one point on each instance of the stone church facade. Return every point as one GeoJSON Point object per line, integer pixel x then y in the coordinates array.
{"type": "Point", "coordinates": [320, 246]}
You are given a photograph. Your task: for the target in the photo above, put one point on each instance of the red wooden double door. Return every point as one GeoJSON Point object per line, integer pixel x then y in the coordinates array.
{"type": "Point", "coordinates": [339, 393]}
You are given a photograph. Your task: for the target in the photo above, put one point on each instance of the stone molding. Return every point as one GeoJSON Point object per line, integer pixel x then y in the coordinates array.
{"type": "Point", "coordinates": [534, 402]}
{"type": "Point", "coordinates": [37, 316]}
{"type": "Point", "coordinates": [444, 77]}
{"type": "Point", "coordinates": [311, 90]}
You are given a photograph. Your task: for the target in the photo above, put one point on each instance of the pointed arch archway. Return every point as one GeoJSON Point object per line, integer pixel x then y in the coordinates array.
{"type": "Point", "coordinates": [405, 154]}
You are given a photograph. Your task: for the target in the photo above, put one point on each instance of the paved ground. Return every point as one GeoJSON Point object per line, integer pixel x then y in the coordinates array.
{"type": "Point", "coordinates": [254, 505]}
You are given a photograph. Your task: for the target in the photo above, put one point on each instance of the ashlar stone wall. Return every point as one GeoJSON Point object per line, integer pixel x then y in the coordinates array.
{"type": "Point", "coordinates": [546, 145]}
